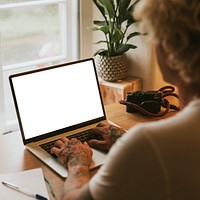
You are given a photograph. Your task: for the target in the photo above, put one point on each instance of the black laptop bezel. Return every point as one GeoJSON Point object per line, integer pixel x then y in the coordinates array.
{"type": "Point", "coordinates": [63, 130]}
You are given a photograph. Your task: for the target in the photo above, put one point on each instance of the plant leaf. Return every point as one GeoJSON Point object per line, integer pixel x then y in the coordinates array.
{"type": "Point", "coordinates": [101, 9]}
{"type": "Point", "coordinates": [104, 29]}
{"type": "Point", "coordinates": [95, 29]}
{"type": "Point", "coordinates": [118, 17]}
{"type": "Point", "coordinates": [108, 7]}
{"type": "Point", "coordinates": [131, 46]}
{"type": "Point", "coordinates": [123, 6]}
{"type": "Point", "coordinates": [133, 35]}
{"type": "Point", "coordinates": [99, 23]}
{"type": "Point", "coordinates": [117, 36]}
{"type": "Point", "coordinates": [101, 41]}
{"type": "Point", "coordinates": [124, 48]}
{"type": "Point", "coordinates": [101, 52]}
{"type": "Point", "coordinates": [125, 10]}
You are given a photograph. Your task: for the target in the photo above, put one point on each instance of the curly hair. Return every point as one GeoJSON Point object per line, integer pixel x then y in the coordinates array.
{"type": "Point", "coordinates": [176, 24]}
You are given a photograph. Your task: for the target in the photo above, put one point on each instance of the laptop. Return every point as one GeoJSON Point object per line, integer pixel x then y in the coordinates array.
{"type": "Point", "coordinates": [55, 102]}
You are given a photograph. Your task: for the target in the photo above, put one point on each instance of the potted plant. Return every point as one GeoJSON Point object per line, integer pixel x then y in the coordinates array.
{"type": "Point", "coordinates": [117, 16]}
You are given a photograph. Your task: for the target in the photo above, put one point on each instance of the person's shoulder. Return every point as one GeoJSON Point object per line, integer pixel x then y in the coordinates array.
{"type": "Point", "coordinates": [155, 128]}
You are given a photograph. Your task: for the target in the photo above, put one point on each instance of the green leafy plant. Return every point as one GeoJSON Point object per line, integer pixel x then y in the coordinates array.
{"type": "Point", "coordinates": [117, 15]}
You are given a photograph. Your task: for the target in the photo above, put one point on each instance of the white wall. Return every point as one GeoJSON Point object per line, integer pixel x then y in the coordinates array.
{"type": "Point", "coordinates": [86, 18]}
{"type": "Point", "coordinates": [141, 61]}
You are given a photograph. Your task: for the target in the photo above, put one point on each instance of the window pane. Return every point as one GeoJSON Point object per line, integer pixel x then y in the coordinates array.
{"type": "Point", "coordinates": [30, 33]}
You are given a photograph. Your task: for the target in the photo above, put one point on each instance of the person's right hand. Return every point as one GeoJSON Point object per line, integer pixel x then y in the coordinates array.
{"type": "Point", "coordinates": [109, 134]}
{"type": "Point", "coordinates": [72, 152]}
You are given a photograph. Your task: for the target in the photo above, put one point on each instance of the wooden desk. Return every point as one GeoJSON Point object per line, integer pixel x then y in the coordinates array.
{"type": "Point", "coordinates": [14, 157]}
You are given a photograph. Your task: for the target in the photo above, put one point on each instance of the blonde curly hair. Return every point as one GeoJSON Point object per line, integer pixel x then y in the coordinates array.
{"type": "Point", "coordinates": [176, 24]}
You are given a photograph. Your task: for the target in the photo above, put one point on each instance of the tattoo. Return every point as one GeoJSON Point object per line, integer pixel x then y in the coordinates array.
{"type": "Point", "coordinates": [115, 133]}
{"type": "Point", "coordinates": [75, 154]}
{"type": "Point", "coordinates": [77, 158]}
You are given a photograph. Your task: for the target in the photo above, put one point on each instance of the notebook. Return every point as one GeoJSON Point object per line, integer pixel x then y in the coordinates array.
{"type": "Point", "coordinates": [56, 102]}
{"type": "Point", "coordinates": [31, 181]}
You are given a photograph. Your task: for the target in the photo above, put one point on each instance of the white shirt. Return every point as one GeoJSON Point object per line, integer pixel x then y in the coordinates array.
{"type": "Point", "coordinates": [156, 160]}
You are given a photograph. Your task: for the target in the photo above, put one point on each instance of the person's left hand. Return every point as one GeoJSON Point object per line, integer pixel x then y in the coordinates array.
{"type": "Point", "coordinates": [72, 152]}
{"type": "Point", "coordinates": [108, 133]}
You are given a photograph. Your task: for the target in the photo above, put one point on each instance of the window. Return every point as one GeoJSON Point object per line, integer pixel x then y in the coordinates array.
{"type": "Point", "coordinates": [34, 34]}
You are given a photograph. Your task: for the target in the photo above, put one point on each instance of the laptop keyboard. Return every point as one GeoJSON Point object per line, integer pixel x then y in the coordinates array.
{"type": "Point", "coordinates": [82, 136]}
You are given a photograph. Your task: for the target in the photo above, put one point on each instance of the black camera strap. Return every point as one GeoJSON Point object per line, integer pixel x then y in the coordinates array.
{"type": "Point", "coordinates": [165, 91]}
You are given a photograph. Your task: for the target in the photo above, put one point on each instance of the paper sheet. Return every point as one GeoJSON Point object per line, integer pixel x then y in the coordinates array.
{"type": "Point", "coordinates": [29, 180]}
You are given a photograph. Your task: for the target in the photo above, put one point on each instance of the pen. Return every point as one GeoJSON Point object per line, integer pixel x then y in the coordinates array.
{"type": "Point", "coordinates": [14, 187]}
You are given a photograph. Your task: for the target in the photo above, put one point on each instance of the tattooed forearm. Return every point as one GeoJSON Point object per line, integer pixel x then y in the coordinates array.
{"type": "Point", "coordinates": [74, 184]}
{"type": "Point", "coordinates": [79, 173]}
{"type": "Point", "coordinates": [76, 157]}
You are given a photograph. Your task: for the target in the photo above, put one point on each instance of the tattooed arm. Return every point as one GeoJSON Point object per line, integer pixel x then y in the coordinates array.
{"type": "Point", "coordinates": [76, 157]}
{"type": "Point", "coordinates": [109, 133]}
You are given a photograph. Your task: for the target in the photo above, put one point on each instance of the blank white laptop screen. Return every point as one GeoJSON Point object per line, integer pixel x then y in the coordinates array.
{"type": "Point", "coordinates": [57, 98]}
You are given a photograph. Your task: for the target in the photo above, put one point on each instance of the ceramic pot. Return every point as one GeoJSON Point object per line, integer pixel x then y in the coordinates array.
{"type": "Point", "coordinates": [112, 68]}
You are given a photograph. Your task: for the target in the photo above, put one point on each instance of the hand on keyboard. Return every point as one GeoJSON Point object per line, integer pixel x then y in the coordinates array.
{"type": "Point", "coordinates": [108, 135]}
{"type": "Point", "coordinates": [72, 152]}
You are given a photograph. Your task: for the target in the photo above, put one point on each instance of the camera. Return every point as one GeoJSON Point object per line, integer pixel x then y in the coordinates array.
{"type": "Point", "coordinates": [149, 101]}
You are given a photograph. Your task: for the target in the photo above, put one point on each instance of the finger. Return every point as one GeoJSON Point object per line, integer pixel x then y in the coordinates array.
{"type": "Point", "coordinates": [100, 124]}
{"type": "Point", "coordinates": [55, 150]}
{"type": "Point", "coordinates": [58, 143]}
{"type": "Point", "coordinates": [97, 130]}
{"type": "Point", "coordinates": [121, 130]}
{"type": "Point", "coordinates": [89, 148]}
{"type": "Point", "coordinates": [94, 143]}
{"type": "Point", "coordinates": [100, 145]}
{"type": "Point", "coordinates": [86, 144]}
{"type": "Point", "coordinates": [74, 141]}
{"type": "Point", "coordinates": [64, 139]}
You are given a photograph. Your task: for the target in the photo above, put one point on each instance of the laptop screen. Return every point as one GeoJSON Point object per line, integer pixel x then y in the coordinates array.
{"type": "Point", "coordinates": [57, 98]}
